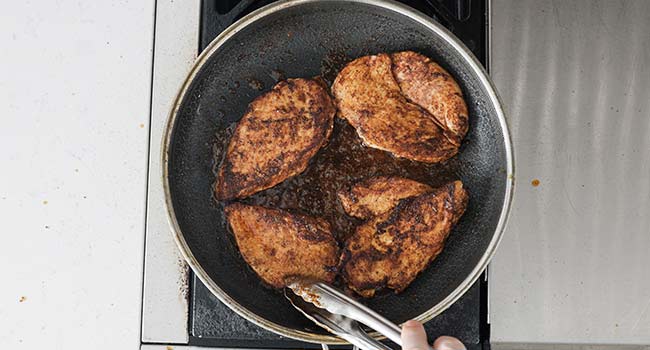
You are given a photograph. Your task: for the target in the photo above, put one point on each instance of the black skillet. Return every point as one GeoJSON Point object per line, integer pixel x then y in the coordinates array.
{"type": "Point", "coordinates": [305, 39]}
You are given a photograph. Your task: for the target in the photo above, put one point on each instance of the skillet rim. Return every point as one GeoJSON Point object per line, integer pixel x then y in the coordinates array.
{"type": "Point", "coordinates": [398, 8]}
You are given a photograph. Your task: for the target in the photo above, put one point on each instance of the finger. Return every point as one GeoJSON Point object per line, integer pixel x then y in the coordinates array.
{"type": "Point", "coordinates": [413, 336]}
{"type": "Point", "coordinates": [448, 343]}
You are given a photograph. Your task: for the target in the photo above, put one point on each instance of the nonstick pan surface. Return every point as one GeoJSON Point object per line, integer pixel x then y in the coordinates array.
{"type": "Point", "coordinates": [305, 39]}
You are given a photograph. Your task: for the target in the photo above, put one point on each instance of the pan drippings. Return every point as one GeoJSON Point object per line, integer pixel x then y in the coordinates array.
{"type": "Point", "coordinates": [341, 163]}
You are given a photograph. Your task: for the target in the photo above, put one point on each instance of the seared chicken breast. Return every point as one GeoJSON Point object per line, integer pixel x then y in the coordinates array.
{"type": "Point", "coordinates": [276, 138]}
{"type": "Point", "coordinates": [280, 245]}
{"type": "Point", "coordinates": [369, 97]}
{"type": "Point", "coordinates": [428, 85]}
{"type": "Point", "coordinates": [390, 250]}
{"type": "Point", "coordinates": [378, 195]}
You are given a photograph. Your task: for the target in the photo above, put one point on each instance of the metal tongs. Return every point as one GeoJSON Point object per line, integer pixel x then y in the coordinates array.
{"type": "Point", "coordinates": [339, 314]}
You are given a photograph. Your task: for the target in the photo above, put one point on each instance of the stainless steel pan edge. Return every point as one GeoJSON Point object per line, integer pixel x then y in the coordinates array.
{"type": "Point", "coordinates": [278, 6]}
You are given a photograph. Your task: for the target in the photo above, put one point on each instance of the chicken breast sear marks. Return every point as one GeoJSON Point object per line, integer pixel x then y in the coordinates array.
{"type": "Point", "coordinates": [428, 85]}
{"type": "Point", "coordinates": [280, 245]}
{"type": "Point", "coordinates": [275, 139]}
{"type": "Point", "coordinates": [368, 96]}
{"type": "Point", "coordinates": [390, 250]}
{"type": "Point", "coordinates": [378, 195]}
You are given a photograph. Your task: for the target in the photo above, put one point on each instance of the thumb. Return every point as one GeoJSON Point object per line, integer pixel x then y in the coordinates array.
{"type": "Point", "coordinates": [413, 336]}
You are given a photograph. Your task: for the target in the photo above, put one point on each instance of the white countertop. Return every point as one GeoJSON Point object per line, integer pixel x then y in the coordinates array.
{"type": "Point", "coordinates": [74, 91]}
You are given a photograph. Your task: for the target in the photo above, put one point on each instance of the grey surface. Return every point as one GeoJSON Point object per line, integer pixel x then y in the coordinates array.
{"type": "Point", "coordinates": [164, 297]}
{"type": "Point", "coordinates": [573, 266]}
{"type": "Point", "coordinates": [217, 325]}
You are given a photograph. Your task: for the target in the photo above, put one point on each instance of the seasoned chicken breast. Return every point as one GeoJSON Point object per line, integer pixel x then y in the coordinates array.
{"type": "Point", "coordinates": [391, 249]}
{"type": "Point", "coordinates": [378, 195]}
{"type": "Point", "coordinates": [279, 245]}
{"type": "Point", "coordinates": [368, 96]}
{"type": "Point", "coordinates": [275, 139]}
{"type": "Point", "coordinates": [428, 85]}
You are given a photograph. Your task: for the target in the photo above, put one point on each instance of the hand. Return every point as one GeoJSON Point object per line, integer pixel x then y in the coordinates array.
{"type": "Point", "coordinates": [415, 338]}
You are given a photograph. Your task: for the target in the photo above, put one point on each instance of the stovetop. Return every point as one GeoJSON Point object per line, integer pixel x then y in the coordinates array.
{"type": "Point", "coordinates": [214, 324]}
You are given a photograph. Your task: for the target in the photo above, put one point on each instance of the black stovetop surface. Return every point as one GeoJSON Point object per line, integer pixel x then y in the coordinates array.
{"type": "Point", "coordinates": [214, 324]}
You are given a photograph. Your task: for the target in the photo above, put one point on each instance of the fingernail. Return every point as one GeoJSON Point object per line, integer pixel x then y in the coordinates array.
{"type": "Point", "coordinates": [411, 323]}
{"type": "Point", "coordinates": [448, 343]}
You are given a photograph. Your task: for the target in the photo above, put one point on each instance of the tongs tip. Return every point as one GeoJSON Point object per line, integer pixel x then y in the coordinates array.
{"type": "Point", "coordinates": [304, 289]}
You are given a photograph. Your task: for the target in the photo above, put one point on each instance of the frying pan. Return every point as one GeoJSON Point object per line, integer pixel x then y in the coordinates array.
{"type": "Point", "coordinates": [295, 37]}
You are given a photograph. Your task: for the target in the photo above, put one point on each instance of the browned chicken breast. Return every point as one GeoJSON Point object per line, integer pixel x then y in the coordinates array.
{"type": "Point", "coordinates": [275, 139]}
{"type": "Point", "coordinates": [279, 245]}
{"type": "Point", "coordinates": [378, 195]}
{"type": "Point", "coordinates": [428, 85]}
{"type": "Point", "coordinates": [368, 96]}
{"type": "Point", "coordinates": [392, 249]}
